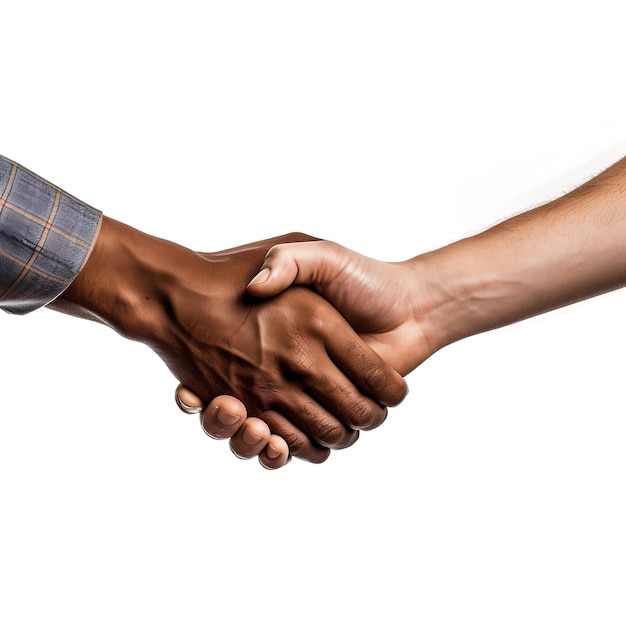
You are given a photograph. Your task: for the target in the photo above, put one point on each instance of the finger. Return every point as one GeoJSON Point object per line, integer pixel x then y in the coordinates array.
{"type": "Point", "coordinates": [353, 384]}
{"type": "Point", "coordinates": [223, 417]}
{"type": "Point", "coordinates": [187, 401]}
{"type": "Point", "coordinates": [363, 366]}
{"type": "Point", "coordinates": [308, 415]}
{"type": "Point", "coordinates": [299, 444]}
{"type": "Point", "coordinates": [329, 398]}
{"type": "Point", "coordinates": [250, 439]}
{"type": "Point", "coordinates": [346, 407]}
{"type": "Point", "coordinates": [301, 263]}
{"type": "Point", "coordinates": [275, 454]}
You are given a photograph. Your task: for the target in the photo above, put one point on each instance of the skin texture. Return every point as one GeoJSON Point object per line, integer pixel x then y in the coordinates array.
{"type": "Point", "coordinates": [561, 252]}
{"type": "Point", "coordinates": [293, 360]}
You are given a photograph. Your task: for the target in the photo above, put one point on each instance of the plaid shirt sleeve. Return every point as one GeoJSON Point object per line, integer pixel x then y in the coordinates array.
{"type": "Point", "coordinates": [46, 236]}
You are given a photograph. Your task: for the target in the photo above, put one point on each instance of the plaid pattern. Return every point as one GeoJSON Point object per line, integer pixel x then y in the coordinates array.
{"type": "Point", "coordinates": [45, 238]}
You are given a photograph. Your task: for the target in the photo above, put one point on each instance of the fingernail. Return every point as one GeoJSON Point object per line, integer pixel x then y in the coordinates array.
{"type": "Point", "coordinates": [272, 453]}
{"type": "Point", "coordinates": [226, 418]}
{"type": "Point", "coordinates": [187, 400]}
{"type": "Point", "coordinates": [261, 277]}
{"type": "Point", "coordinates": [250, 437]}
{"type": "Point", "coordinates": [187, 408]}
{"type": "Point", "coordinates": [267, 467]}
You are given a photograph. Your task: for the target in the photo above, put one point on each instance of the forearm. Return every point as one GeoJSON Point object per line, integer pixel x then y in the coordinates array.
{"type": "Point", "coordinates": [562, 252]}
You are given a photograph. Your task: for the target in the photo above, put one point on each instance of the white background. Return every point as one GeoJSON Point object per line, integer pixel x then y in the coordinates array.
{"type": "Point", "coordinates": [494, 494]}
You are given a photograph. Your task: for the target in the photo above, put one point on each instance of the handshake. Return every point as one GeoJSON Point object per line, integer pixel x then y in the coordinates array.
{"type": "Point", "coordinates": [346, 368]}
{"type": "Point", "coordinates": [292, 345]}
{"type": "Point", "coordinates": [313, 369]}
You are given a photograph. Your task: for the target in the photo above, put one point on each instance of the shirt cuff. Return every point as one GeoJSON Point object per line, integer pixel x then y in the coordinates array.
{"type": "Point", "coordinates": [46, 236]}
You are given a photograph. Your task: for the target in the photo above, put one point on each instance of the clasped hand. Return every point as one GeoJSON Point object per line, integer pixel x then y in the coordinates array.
{"type": "Point", "coordinates": [374, 297]}
{"type": "Point", "coordinates": [293, 360]}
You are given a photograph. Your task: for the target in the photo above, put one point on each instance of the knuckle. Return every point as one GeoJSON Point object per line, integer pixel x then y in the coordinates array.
{"type": "Point", "coordinates": [376, 379]}
{"type": "Point", "coordinates": [376, 423]}
{"type": "Point", "coordinates": [365, 415]}
{"type": "Point", "coordinates": [301, 361]}
{"type": "Point", "coordinates": [334, 435]}
{"type": "Point", "coordinates": [275, 252]}
{"type": "Point", "coordinates": [318, 322]}
{"type": "Point", "coordinates": [382, 384]}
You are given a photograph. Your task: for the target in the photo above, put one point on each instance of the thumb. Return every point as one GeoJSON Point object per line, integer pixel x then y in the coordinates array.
{"type": "Point", "coordinates": [287, 264]}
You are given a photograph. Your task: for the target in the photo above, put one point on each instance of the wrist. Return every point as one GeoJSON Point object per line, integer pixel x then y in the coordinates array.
{"type": "Point", "coordinates": [464, 293]}
{"type": "Point", "coordinates": [492, 280]}
{"type": "Point", "coordinates": [123, 284]}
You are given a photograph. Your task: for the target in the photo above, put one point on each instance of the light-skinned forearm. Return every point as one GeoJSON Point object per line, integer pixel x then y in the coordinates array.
{"type": "Point", "coordinates": [562, 252]}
